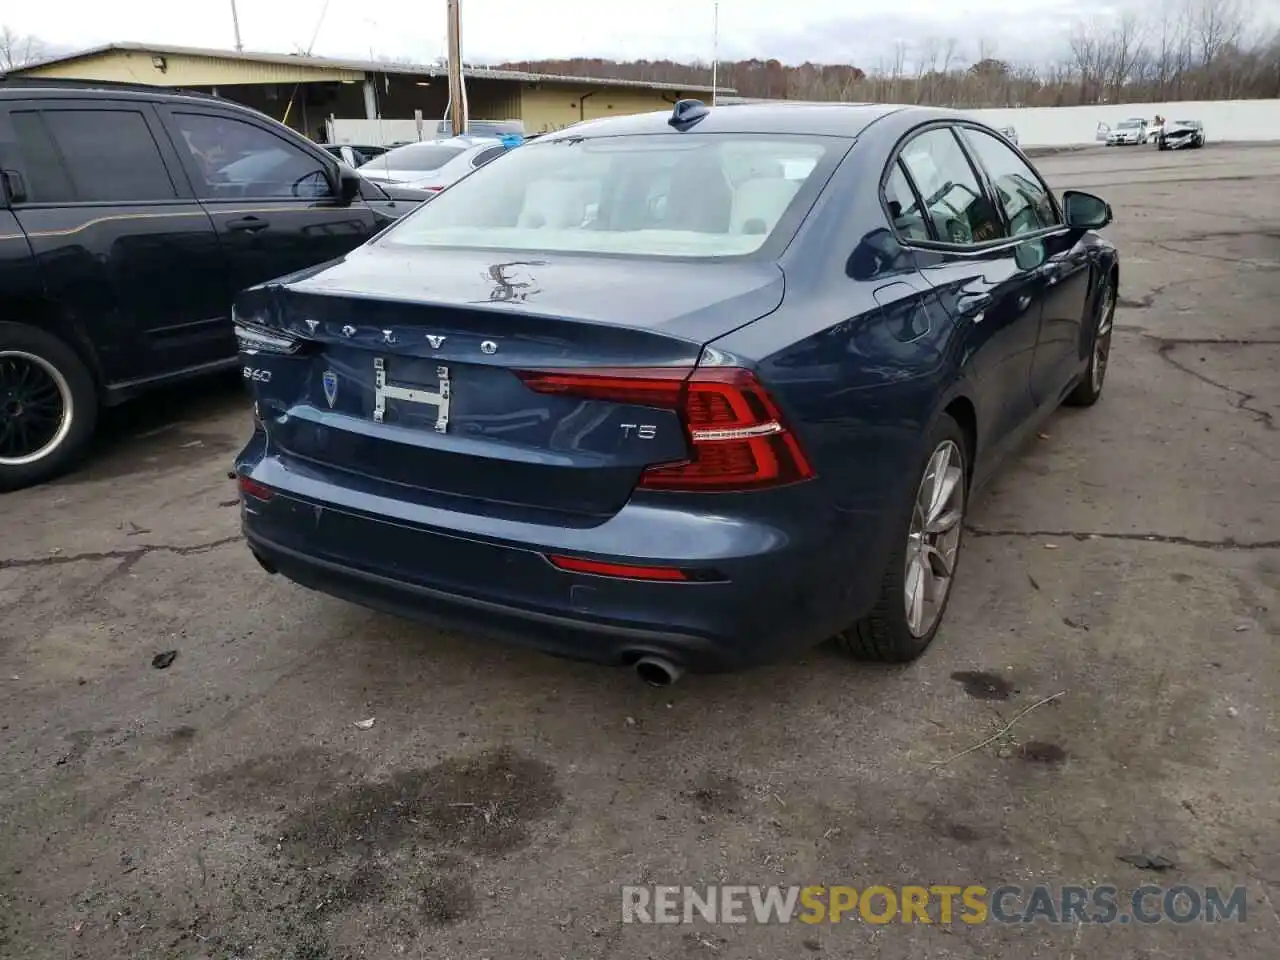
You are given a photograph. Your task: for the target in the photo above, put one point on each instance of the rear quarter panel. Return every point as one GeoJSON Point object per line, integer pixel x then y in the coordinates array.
{"type": "Point", "coordinates": [861, 381]}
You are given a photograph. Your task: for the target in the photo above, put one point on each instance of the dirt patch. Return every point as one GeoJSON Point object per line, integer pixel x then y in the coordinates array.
{"type": "Point", "coordinates": [265, 781]}
{"type": "Point", "coordinates": [181, 736]}
{"type": "Point", "coordinates": [1037, 751]}
{"type": "Point", "coordinates": [984, 684]}
{"type": "Point", "coordinates": [349, 855]}
{"type": "Point", "coordinates": [481, 803]}
{"type": "Point", "coordinates": [447, 898]}
{"type": "Point", "coordinates": [714, 793]}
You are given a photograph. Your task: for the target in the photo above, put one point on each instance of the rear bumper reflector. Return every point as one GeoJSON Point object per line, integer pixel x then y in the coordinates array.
{"type": "Point", "coordinates": [625, 571]}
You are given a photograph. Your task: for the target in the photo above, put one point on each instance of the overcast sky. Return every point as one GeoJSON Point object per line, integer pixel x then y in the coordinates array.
{"type": "Point", "coordinates": [832, 31]}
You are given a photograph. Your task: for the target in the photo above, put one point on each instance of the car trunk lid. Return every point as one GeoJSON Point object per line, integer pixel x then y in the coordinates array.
{"type": "Point", "coordinates": [410, 370]}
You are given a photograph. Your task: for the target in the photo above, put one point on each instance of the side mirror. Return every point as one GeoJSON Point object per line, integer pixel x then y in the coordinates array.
{"type": "Point", "coordinates": [348, 185]}
{"type": "Point", "coordinates": [1084, 211]}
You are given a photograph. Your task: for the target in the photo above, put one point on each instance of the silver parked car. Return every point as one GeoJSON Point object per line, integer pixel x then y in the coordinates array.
{"type": "Point", "coordinates": [433, 164]}
{"type": "Point", "coordinates": [1130, 132]}
{"type": "Point", "coordinates": [1010, 134]}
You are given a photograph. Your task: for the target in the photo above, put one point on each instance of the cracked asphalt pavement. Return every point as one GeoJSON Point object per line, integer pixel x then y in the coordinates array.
{"type": "Point", "coordinates": [229, 805]}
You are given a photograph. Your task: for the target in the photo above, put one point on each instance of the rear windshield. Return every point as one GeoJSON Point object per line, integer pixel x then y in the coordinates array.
{"type": "Point", "coordinates": [416, 156]}
{"type": "Point", "coordinates": [700, 195]}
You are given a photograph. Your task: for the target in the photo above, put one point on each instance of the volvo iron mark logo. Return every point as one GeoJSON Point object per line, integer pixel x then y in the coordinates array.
{"type": "Point", "coordinates": [330, 383]}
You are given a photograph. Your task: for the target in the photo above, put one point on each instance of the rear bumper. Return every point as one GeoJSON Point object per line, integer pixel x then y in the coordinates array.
{"type": "Point", "coordinates": [786, 593]}
{"type": "Point", "coordinates": [565, 636]}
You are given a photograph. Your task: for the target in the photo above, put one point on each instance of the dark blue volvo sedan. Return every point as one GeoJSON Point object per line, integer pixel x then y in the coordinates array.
{"type": "Point", "coordinates": [689, 390]}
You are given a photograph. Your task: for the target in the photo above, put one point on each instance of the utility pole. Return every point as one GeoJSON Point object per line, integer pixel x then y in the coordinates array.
{"type": "Point", "coordinates": [715, 49]}
{"type": "Point", "coordinates": [235, 22]}
{"type": "Point", "coordinates": [457, 94]}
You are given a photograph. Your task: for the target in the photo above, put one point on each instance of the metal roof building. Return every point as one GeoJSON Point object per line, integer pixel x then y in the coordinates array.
{"type": "Point", "coordinates": [304, 91]}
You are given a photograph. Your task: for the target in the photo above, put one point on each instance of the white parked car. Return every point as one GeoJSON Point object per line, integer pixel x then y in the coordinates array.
{"type": "Point", "coordinates": [1010, 134]}
{"type": "Point", "coordinates": [1128, 132]}
{"type": "Point", "coordinates": [433, 164]}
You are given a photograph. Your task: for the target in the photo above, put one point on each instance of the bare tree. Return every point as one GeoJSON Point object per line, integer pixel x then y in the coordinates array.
{"type": "Point", "coordinates": [1218, 24]}
{"type": "Point", "coordinates": [1120, 48]}
{"type": "Point", "coordinates": [1180, 50]}
{"type": "Point", "coordinates": [17, 50]}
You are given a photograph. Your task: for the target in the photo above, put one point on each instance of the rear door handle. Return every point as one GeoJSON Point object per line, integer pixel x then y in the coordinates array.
{"type": "Point", "coordinates": [248, 224]}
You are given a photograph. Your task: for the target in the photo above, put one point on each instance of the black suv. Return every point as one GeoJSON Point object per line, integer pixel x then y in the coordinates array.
{"type": "Point", "coordinates": [129, 218]}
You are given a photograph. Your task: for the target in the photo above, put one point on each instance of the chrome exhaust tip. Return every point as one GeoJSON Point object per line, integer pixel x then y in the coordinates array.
{"type": "Point", "coordinates": [657, 672]}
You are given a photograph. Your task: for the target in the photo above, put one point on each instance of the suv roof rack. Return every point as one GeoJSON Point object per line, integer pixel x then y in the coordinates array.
{"type": "Point", "coordinates": [11, 82]}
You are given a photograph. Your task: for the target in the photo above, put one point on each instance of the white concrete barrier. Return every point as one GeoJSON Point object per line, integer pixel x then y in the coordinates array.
{"type": "Point", "coordinates": [1074, 126]}
{"type": "Point", "coordinates": [1036, 126]}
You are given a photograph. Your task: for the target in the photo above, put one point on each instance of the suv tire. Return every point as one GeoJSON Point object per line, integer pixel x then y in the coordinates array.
{"type": "Point", "coordinates": [41, 378]}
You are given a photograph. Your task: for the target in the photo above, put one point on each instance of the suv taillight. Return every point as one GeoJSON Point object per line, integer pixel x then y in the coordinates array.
{"type": "Point", "coordinates": [738, 439]}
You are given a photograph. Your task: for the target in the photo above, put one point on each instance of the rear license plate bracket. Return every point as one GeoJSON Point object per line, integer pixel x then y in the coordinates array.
{"type": "Point", "coordinates": [384, 391]}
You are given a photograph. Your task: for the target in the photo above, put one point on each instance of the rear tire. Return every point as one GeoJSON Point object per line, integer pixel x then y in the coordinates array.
{"type": "Point", "coordinates": [928, 536]}
{"type": "Point", "coordinates": [48, 406]}
{"type": "Point", "coordinates": [1089, 389]}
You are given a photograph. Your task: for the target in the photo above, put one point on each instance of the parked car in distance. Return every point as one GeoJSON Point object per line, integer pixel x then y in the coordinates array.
{"type": "Point", "coordinates": [129, 218]}
{"type": "Point", "coordinates": [1010, 134]}
{"type": "Point", "coordinates": [1127, 133]}
{"type": "Point", "coordinates": [737, 410]}
{"type": "Point", "coordinates": [353, 155]}
{"type": "Point", "coordinates": [433, 164]}
{"type": "Point", "coordinates": [1181, 135]}
{"type": "Point", "coordinates": [494, 129]}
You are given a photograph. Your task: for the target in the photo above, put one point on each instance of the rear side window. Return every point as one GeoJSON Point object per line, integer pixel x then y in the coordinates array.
{"type": "Point", "coordinates": [1027, 205]}
{"type": "Point", "coordinates": [484, 156]}
{"type": "Point", "coordinates": [908, 219]}
{"type": "Point", "coordinates": [103, 156]}
{"type": "Point", "coordinates": [954, 200]}
{"type": "Point", "coordinates": [35, 158]}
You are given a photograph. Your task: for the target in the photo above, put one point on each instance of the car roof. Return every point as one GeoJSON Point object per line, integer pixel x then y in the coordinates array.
{"type": "Point", "coordinates": [781, 117]}
{"type": "Point", "coordinates": [17, 88]}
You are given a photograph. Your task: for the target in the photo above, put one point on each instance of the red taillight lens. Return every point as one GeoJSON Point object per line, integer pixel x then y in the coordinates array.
{"type": "Point", "coordinates": [627, 571]}
{"type": "Point", "coordinates": [738, 438]}
{"type": "Point", "coordinates": [252, 488]}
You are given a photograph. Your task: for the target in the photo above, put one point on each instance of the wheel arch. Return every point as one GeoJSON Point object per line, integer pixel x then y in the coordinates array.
{"type": "Point", "coordinates": [961, 409]}
{"type": "Point", "coordinates": [44, 314]}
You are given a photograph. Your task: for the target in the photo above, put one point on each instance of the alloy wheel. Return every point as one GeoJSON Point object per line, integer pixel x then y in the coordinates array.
{"type": "Point", "coordinates": [1102, 339]}
{"type": "Point", "coordinates": [934, 539]}
{"type": "Point", "coordinates": [35, 408]}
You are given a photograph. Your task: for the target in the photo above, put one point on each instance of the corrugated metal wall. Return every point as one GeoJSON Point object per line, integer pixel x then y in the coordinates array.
{"type": "Point", "coordinates": [129, 66]}
{"type": "Point", "coordinates": [546, 107]}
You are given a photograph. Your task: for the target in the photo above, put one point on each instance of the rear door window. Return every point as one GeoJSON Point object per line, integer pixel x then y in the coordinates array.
{"type": "Point", "coordinates": [91, 156]}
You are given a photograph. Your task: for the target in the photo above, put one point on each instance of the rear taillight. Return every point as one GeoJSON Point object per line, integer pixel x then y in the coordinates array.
{"type": "Point", "coordinates": [252, 488]}
{"type": "Point", "coordinates": [253, 338]}
{"type": "Point", "coordinates": [737, 436]}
